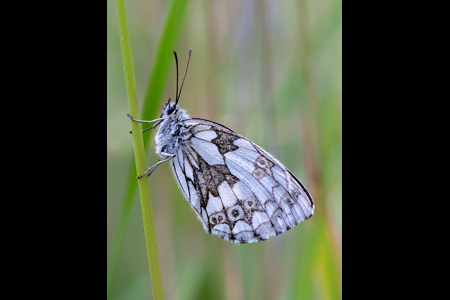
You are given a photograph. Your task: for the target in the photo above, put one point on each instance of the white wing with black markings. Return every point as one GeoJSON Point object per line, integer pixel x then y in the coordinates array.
{"type": "Point", "coordinates": [238, 190]}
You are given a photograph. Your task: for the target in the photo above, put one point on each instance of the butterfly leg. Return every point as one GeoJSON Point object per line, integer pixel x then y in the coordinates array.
{"type": "Point", "coordinates": [152, 126]}
{"type": "Point", "coordinates": [142, 121]}
{"type": "Point", "coordinates": [153, 168]}
{"type": "Point", "coordinates": [149, 127]}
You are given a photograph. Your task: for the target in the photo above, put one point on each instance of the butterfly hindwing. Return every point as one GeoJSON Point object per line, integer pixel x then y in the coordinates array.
{"type": "Point", "coordinates": [238, 190]}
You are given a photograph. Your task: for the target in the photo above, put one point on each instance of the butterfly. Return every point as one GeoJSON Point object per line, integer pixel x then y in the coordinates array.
{"type": "Point", "coordinates": [238, 190]}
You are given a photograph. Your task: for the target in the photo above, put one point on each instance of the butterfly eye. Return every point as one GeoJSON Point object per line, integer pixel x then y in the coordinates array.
{"type": "Point", "coordinates": [220, 218]}
{"type": "Point", "coordinates": [171, 109]}
{"type": "Point", "coordinates": [213, 220]}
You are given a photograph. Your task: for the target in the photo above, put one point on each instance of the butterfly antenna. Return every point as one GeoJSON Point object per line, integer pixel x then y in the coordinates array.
{"type": "Point", "coordinates": [176, 61]}
{"type": "Point", "coordinates": [189, 59]}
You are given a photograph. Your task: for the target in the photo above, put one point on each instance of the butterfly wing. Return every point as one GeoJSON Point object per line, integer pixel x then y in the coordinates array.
{"type": "Point", "coordinates": [238, 190]}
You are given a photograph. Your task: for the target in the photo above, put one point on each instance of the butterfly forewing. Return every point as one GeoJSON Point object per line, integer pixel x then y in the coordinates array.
{"type": "Point", "coordinates": [238, 190]}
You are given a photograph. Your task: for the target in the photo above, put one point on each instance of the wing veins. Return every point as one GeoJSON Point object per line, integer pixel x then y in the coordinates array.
{"type": "Point", "coordinates": [262, 152]}
{"type": "Point", "coordinates": [272, 189]}
{"type": "Point", "coordinates": [309, 204]}
{"type": "Point", "coordinates": [265, 210]}
{"type": "Point", "coordinates": [223, 206]}
{"type": "Point", "coordinates": [187, 185]}
{"type": "Point", "coordinates": [240, 147]}
{"type": "Point", "coordinates": [263, 206]}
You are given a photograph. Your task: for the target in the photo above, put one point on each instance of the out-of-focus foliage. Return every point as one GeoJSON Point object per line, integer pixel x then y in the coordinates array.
{"type": "Point", "coordinates": [272, 71]}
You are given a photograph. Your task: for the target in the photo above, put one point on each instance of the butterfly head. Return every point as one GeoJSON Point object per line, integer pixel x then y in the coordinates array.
{"type": "Point", "coordinates": [169, 109]}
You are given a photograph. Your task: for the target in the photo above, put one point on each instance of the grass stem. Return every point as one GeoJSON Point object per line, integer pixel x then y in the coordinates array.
{"type": "Point", "coordinates": [139, 152]}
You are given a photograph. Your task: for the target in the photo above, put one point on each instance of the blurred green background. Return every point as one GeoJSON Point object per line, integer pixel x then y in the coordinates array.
{"type": "Point", "coordinates": [270, 70]}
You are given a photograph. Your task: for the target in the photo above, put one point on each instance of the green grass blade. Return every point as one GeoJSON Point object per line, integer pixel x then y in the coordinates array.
{"type": "Point", "coordinates": [139, 152]}
{"type": "Point", "coordinates": [159, 73]}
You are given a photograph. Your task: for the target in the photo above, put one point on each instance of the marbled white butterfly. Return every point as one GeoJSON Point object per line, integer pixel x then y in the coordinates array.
{"type": "Point", "coordinates": [238, 190]}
